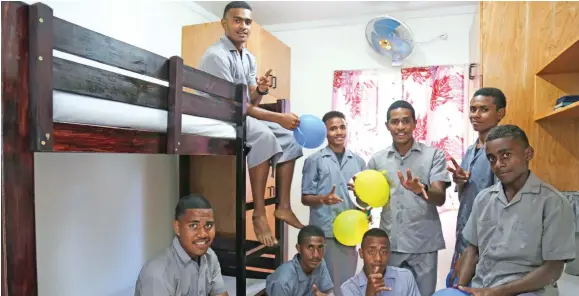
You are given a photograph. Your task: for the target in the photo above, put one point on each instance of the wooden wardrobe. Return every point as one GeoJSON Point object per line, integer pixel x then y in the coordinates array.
{"type": "Point", "coordinates": [215, 176]}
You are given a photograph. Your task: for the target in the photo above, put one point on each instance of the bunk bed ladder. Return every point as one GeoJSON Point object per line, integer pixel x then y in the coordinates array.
{"type": "Point", "coordinates": [241, 94]}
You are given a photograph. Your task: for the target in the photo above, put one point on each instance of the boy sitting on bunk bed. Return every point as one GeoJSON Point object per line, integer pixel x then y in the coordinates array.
{"type": "Point", "coordinates": [307, 273]}
{"type": "Point", "coordinates": [268, 133]}
{"type": "Point", "coordinates": [189, 266]}
{"type": "Point", "coordinates": [521, 231]}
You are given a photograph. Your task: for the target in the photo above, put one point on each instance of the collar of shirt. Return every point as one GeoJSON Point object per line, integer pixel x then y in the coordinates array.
{"type": "Point", "coordinates": [532, 185]}
{"type": "Point", "coordinates": [182, 254]}
{"type": "Point", "coordinates": [416, 146]}
{"type": "Point", "coordinates": [328, 152]}
{"type": "Point", "coordinates": [229, 45]}
{"type": "Point", "coordinates": [302, 276]}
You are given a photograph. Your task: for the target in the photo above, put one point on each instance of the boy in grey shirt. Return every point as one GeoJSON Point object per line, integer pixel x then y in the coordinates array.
{"type": "Point", "coordinates": [324, 189]}
{"type": "Point", "coordinates": [306, 274]}
{"type": "Point", "coordinates": [419, 179]}
{"type": "Point", "coordinates": [377, 278]}
{"type": "Point", "coordinates": [268, 133]}
{"type": "Point", "coordinates": [189, 266]}
{"type": "Point", "coordinates": [521, 231]}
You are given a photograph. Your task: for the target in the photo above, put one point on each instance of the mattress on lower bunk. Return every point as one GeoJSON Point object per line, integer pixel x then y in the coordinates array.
{"type": "Point", "coordinates": [253, 286]}
{"type": "Point", "coordinates": [79, 109]}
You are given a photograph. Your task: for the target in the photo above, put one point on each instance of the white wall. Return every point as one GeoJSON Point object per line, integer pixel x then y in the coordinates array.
{"type": "Point", "coordinates": [320, 48]}
{"type": "Point", "coordinates": [99, 217]}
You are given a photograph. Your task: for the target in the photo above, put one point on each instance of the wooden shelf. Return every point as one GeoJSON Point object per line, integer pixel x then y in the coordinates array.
{"type": "Point", "coordinates": [570, 112]}
{"type": "Point", "coordinates": [565, 62]}
{"type": "Point", "coordinates": [558, 78]}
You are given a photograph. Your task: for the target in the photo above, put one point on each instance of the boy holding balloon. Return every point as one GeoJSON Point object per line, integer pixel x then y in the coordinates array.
{"type": "Point", "coordinates": [411, 217]}
{"type": "Point", "coordinates": [268, 133]}
{"type": "Point", "coordinates": [324, 189]}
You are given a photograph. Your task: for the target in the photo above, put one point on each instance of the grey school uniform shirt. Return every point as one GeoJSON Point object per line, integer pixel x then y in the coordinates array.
{"type": "Point", "coordinates": [322, 170]}
{"type": "Point", "coordinates": [289, 279]}
{"type": "Point", "coordinates": [412, 224]}
{"type": "Point", "coordinates": [514, 238]}
{"type": "Point", "coordinates": [400, 280]}
{"type": "Point", "coordinates": [268, 140]}
{"type": "Point", "coordinates": [481, 177]}
{"type": "Point", "coordinates": [174, 273]}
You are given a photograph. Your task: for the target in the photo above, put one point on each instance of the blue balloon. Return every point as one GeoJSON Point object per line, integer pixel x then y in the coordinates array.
{"type": "Point", "coordinates": [450, 292]}
{"type": "Point", "coordinates": [311, 133]}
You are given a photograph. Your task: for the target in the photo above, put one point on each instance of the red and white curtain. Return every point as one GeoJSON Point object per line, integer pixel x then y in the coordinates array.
{"type": "Point", "coordinates": [439, 95]}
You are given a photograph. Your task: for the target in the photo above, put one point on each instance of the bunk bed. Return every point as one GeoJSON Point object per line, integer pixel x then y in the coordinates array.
{"type": "Point", "coordinates": [54, 104]}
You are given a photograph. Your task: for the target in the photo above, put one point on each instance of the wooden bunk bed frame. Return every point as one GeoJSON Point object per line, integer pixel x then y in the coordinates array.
{"type": "Point", "coordinates": [30, 74]}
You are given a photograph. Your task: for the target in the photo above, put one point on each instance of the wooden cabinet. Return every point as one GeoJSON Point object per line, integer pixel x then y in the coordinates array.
{"type": "Point", "coordinates": [530, 51]}
{"type": "Point", "coordinates": [213, 176]}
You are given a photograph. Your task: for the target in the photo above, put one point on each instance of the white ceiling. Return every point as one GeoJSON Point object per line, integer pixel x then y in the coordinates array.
{"type": "Point", "coordinates": [278, 12]}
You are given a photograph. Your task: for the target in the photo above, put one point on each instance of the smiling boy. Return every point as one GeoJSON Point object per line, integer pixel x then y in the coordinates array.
{"type": "Point", "coordinates": [324, 189]}
{"type": "Point", "coordinates": [521, 231]}
{"type": "Point", "coordinates": [487, 108]}
{"type": "Point", "coordinates": [306, 274]}
{"type": "Point", "coordinates": [411, 217]}
{"type": "Point", "coordinates": [189, 266]}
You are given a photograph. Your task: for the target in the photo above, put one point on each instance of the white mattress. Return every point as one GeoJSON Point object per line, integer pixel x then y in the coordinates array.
{"type": "Point", "coordinates": [78, 109]}
{"type": "Point", "coordinates": [253, 286]}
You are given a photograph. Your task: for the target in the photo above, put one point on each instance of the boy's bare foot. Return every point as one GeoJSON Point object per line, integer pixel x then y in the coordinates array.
{"type": "Point", "coordinates": [262, 231]}
{"type": "Point", "coordinates": [288, 216]}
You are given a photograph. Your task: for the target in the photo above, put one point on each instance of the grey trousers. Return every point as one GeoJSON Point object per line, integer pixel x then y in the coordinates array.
{"type": "Point", "coordinates": [423, 267]}
{"type": "Point", "coordinates": [341, 261]}
{"type": "Point", "coordinates": [270, 141]}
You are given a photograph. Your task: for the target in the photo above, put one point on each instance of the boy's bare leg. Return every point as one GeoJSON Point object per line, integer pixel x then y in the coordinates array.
{"type": "Point", "coordinates": [283, 177]}
{"type": "Point", "coordinates": [258, 178]}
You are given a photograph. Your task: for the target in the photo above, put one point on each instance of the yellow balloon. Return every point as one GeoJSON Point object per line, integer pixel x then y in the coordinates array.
{"type": "Point", "coordinates": [350, 226]}
{"type": "Point", "coordinates": [372, 188]}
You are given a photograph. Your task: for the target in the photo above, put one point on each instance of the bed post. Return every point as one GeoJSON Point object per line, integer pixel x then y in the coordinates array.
{"type": "Point", "coordinates": [175, 104]}
{"type": "Point", "coordinates": [40, 43]}
{"type": "Point", "coordinates": [283, 106]}
{"type": "Point", "coordinates": [19, 241]}
{"type": "Point", "coordinates": [241, 95]}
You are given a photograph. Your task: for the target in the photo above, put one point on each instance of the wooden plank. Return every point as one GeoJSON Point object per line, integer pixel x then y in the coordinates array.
{"type": "Point", "coordinates": [19, 243]}
{"type": "Point", "coordinates": [40, 76]}
{"type": "Point", "coordinates": [211, 107]}
{"type": "Point", "coordinates": [175, 102]}
{"type": "Point", "coordinates": [85, 80]}
{"type": "Point", "coordinates": [207, 83]}
{"type": "Point", "coordinates": [87, 138]}
{"type": "Point", "coordinates": [80, 41]}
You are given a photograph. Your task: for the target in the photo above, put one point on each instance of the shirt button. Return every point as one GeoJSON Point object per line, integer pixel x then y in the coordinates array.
{"type": "Point", "coordinates": [493, 247]}
{"type": "Point", "coordinates": [500, 228]}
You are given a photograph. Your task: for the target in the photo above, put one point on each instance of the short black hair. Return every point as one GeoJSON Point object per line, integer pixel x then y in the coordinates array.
{"type": "Point", "coordinates": [309, 231]}
{"type": "Point", "coordinates": [333, 114]}
{"type": "Point", "coordinates": [375, 232]}
{"type": "Point", "coordinates": [235, 4]}
{"type": "Point", "coordinates": [401, 104]}
{"type": "Point", "coordinates": [191, 202]}
{"type": "Point", "coordinates": [498, 96]}
{"type": "Point", "coordinates": [508, 131]}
